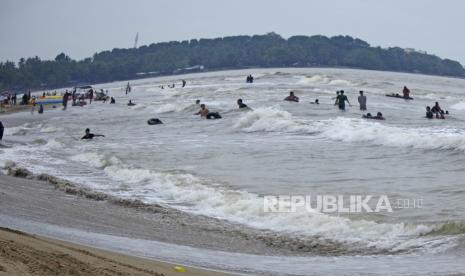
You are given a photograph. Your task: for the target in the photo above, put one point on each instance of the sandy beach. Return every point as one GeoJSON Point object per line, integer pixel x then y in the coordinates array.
{"type": "Point", "coordinates": [24, 254]}
{"type": "Point", "coordinates": [13, 108]}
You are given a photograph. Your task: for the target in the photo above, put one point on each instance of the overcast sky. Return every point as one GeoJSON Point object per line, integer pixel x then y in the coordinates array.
{"type": "Point", "coordinates": [82, 27]}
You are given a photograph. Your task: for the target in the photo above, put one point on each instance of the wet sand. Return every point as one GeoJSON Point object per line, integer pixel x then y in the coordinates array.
{"type": "Point", "coordinates": [14, 108]}
{"type": "Point", "coordinates": [24, 254]}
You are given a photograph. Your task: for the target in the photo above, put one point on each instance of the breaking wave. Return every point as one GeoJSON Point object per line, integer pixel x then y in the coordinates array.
{"type": "Point", "coordinates": [192, 194]}
{"type": "Point", "coordinates": [353, 130]}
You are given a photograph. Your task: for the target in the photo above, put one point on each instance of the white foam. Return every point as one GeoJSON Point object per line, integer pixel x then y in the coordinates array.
{"type": "Point", "coordinates": [169, 107]}
{"type": "Point", "coordinates": [340, 83]}
{"type": "Point", "coordinates": [314, 79]}
{"type": "Point", "coordinates": [269, 119]}
{"type": "Point", "coordinates": [356, 130]}
{"type": "Point", "coordinates": [48, 129]}
{"type": "Point", "coordinates": [190, 193]}
{"type": "Point", "coordinates": [353, 130]}
{"type": "Point", "coordinates": [20, 130]}
{"type": "Point", "coordinates": [95, 159]}
{"type": "Point", "coordinates": [458, 106]}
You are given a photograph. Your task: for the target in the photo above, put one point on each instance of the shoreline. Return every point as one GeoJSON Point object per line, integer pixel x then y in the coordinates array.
{"type": "Point", "coordinates": [26, 254]}
{"type": "Point", "coordinates": [14, 109]}
{"type": "Point", "coordinates": [103, 213]}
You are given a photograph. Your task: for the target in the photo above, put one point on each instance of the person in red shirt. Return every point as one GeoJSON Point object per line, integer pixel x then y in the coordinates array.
{"type": "Point", "coordinates": [292, 97]}
{"type": "Point", "coordinates": [406, 92]}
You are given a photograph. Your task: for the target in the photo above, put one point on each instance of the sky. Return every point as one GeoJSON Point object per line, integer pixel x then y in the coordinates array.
{"type": "Point", "coordinates": [81, 28]}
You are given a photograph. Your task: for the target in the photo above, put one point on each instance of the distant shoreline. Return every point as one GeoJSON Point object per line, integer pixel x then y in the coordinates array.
{"type": "Point", "coordinates": [232, 52]}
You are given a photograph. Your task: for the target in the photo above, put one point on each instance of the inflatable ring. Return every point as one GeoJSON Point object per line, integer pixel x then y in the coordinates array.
{"type": "Point", "coordinates": [154, 121]}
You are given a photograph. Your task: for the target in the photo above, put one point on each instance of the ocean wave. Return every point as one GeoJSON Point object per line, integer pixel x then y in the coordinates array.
{"type": "Point", "coordinates": [323, 79]}
{"type": "Point", "coordinates": [458, 106]}
{"type": "Point", "coordinates": [49, 129]}
{"type": "Point", "coordinates": [350, 130]}
{"type": "Point", "coordinates": [341, 83]}
{"type": "Point", "coordinates": [315, 79]}
{"type": "Point", "coordinates": [300, 231]}
{"type": "Point", "coordinates": [95, 159]}
{"type": "Point", "coordinates": [448, 228]}
{"type": "Point", "coordinates": [269, 119]}
{"type": "Point", "coordinates": [357, 130]}
{"type": "Point", "coordinates": [21, 130]}
{"type": "Point", "coordinates": [166, 108]}
{"type": "Point", "coordinates": [192, 194]}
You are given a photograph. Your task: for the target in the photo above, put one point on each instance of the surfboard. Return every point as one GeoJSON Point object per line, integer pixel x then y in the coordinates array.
{"type": "Point", "coordinates": [398, 96]}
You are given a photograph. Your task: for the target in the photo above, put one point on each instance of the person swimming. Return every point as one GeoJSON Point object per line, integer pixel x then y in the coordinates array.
{"type": "Point", "coordinates": [130, 103]}
{"type": "Point", "coordinates": [292, 97]}
{"type": "Point", "coordinates": [315, 102]}
{"type": "Point", "coordinates": [241, 104]}
{"type": "Point", "coordinates": [197, 102]}
{"type": "Point", "coordinates": [89, 135]}
{"type": "Point", "coordinates": [379, 116]}
{"type": "Point", "coordinates": [203, 112]}
{"type": "Point", "coordinates": [2, 128]}
{"type": "Point", "coordinates": [429, 113]}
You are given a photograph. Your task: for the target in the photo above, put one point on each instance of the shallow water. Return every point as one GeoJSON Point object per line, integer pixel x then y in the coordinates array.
{"type": "Point", "coordinates": [223, 168]}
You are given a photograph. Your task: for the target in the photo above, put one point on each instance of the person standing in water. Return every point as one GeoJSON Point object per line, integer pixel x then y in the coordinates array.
{"type": "Point", "coordinates": [33, 103]}
{"type": "Point", "coordinates": [362, 100]}
{"type": "Point", "coordinates": [91, 95]}
{"type": "Point", "coordinates": [436, 108]}
{"type": "Point", "coordinates": [65, 100]}
{"type": "Point", "coordinates": [128, 88]}
{"type": "Point", "coordinates": [406, 92]}
{"type": "Point", "coordinates": [2, 128]}
{"type": "Point", "coordinates": [341, 101]}
{"type": "Point", "coordinates": [336, 98]}
{"type": "Point", "coordinates": [183, 83]}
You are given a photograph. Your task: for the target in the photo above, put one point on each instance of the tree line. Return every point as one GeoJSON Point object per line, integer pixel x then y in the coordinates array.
{"type": "Point", "coordinates": [234, 52]}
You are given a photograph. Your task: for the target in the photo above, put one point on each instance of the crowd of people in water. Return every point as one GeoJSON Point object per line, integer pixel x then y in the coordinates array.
{"type": "Point", "coordinates": [249, 79]}
{"type": "Point", "coordinates": [80, 100]}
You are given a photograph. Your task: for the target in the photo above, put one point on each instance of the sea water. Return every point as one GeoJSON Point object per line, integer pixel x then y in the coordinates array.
{"type": "Point", "coordinates": [224, 168]}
